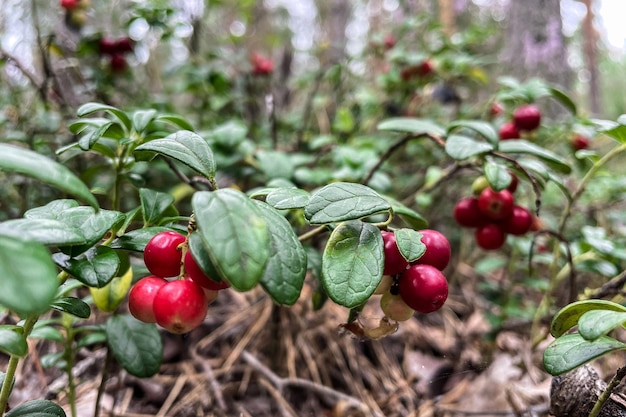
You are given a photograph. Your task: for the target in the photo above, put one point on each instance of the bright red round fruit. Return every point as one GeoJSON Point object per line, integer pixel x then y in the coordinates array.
{"type": "Point", "coordinates": [580, 142]}
{"type": "Point", "coordinates": [69, 4]}
{"type": "Point", "coordinates": [162, 254]}
{"type": "Point", "coordinates": [508, 131]}
{"type": "Point", "coordinates": [423, 288]}
{"type": "Point", "coordinates": [496, 205]}
{"type": "Point", "coordinates": [527, 117]}
{"type": "Point", "coordinates": [514, 183]}
{"type": "Point", "coordinates": [197, 275]}
{"type": "Point", "coordinates": [467, 214]}
{"type": "Point", "coordinates": [141, 298]}
{"type": "Point", "coordinates": [519, 223]}
{"type": "Point", "coordinates": [490, 236]}
{"type": "Point", "coordinates": [180, 306]}
{"type": "Point", "coordinates": [106, 46]}
{"type": "Point", "coordinates": [394, 261]}
{"type": "Point", "coordinates": [437, 249]}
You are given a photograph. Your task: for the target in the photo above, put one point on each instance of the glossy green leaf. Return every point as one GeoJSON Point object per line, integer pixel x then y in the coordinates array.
{"type": "Point", "coordinates": [287, 198]}
{"type": "Point", "coordinates": [522, 146]}
{"type": "Point", "coordinates": [12, 342]}
{"type": "Point", "coordinates": [29, 163]}
{"type": "Point", "coordinates": [564, 99]}
{"type": "Point", "coordinates": [186, 147]}
{"type": "Point", "coordinates": [37, 408]}
{"type": "Point", "coordinates": [275, 164]}
{"type": "Point", "coordinates": [286, 268]}
{"type": "Point", "coordinates": [352, 263]}
{"type": "Point", "coordinates": [484, 129]}
{"type": "Point", "coordinates": [410, 244]}
{"type": "Point", "coordinates": [142, 118]}
{"type": "Point", "coordinates": [497, 175]}
{"type": "Point", "coordinates": [88, 140]}
{"type": "Point", "coordinates": [462, 147]}
{"type": "Point", "coordinates": [411, 125]}
{"type": "Point", "coordinates": [410, 216]}
{"type": "Point", "coordinates": [29, 277]}
{"type": "Point", "coordinates": [94, 226]}
{"type": "Point", "coordinates": [229, 134]}
{"type": "Point", "coordinates": [79, 126]}
{"type": "Point", "coordinates": [51, 210]}
{"type": "Point", "coordinates": [136, 240]}
{"type": "Point", "coordinates": [571, 351]}
{"type": "Point", "coordinates": [46, 332]}
{"type": "Point", "coordinates": [201, 256]}
{"type": "Point", "coordinates": [596, 323]}
{"type": "Point", "coordinates": [154, 204]}
{"type": "Point", "coordinates": [74, 306]}
{"type": "Point", "coordinates": [44, 231]}
{"type": "Point", "coordinates": [342, 201]}
{"type": "Point", "coordinates": [94, 268]}
{"type": "Point", "coordinates": [569, 315]}
{"type": "Point", "coordinates": [137, 346]}
{"type": "Point", "coordinates": [176, 120]}
{"type": "Point", "coordinates": [90, 108]}
{"type": "Point", "coordinates": [235, 234]}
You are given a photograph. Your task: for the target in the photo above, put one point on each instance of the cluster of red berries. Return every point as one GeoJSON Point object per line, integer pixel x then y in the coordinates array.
{"type": "Point", "coordinates": [525, 118]}
{"type": "Point", "coordinates": [421, 70]}
{"type": "Point", "coordinates": [115, 49]}
{"type": "Point", "coordinates": [261, 65]}
{"type": "Point", "coordinates": [494, 215]}
{"type": "Point", "coordinates": [419, 286]}
{"type": "Point", "coordinates": [178, 305]}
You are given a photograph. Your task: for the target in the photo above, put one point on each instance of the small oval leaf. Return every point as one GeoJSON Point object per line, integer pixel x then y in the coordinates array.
{"type": "Point", "coordinates": [136, 240]}
{"type": "Point", "coordinates": [596, 323]}
{"type": "Point", "coordinates": [572, 350]}
{"type": "Point", "coordinates": [37, 408]}
{"type": "Point", "coordinates": [484, 129]}
{"type": "Point", "coordinates": [137, 346]}
{"type": "Point", "coordinates": [497, 175]}
{"type": "Point", "coordinates": [94, 268]}
{"type": "Point", "coordinates": [89, 108]}
{"type": "Point", "coordinates": [410, 244]}
{"type": "Point", "coordinates": [524, 147]}
{"type": "Point", "coordinates": [461, 147]}
{"type": "Point", "coordinates": [411, 125]}
{"type": "Point", "coordinates": [569, 315]}
{"type": "Point", "coordinates": [73, 306]}
{"type": "Point", "coordinates": [287, 198]}
{"type": "Point", "coordinates": [13, 343]}
{"type": "Point", "coordinates": [343, 201]}
{"type": "Point", "coordinates": [352, 263]}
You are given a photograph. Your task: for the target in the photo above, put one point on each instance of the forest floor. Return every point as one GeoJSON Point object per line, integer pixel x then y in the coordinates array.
{"type": "Point", "coordinates": [252, 358]}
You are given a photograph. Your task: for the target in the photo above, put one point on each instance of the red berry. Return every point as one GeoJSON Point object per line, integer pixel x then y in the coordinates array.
{"type": "Point", "coordinates": [123, 45]}
{"type": "Point", "coordinates": [197, 275]}
{"type": "Point", "coordinates": [496, 205]}
{"type": "Point", "coordinates": [508, 131]}
{"type": "Point", "coordinates": [519, 223]}
{"type": "Point", "coordinates": [467, 213]}
{"type": "Point", "coordinates": [69, 4]}
{"type": "Point", "coordinates": [425, 68]}
{"type": "Point", "coordinates": [180, 306]}
{"type": "Point", "coordinates": [496, 109]}
{"type": "Point", "coordinates": [141, 298]}
{"type": "Point", "coordinates": [579, 142]}
{"type": "Point", "coordinates": [437, 249]}
{"type": "Point", "coordinates": [514, 183]}
{"type": "Point", "coordinates": [394, 261]}
{"type": "Point", "coordinates": [162, 254]}
{"type": "Point", "coordinates": [261, 65]}
{"type": "Point", "coordinates": [389, 41]}
{"type": "Point", "coordinates": [527, 117]}
{"type": "Point", "coordinates": [118, 63]}
{"type": "Point", "coordinates": [490, 236]}
{"type": "Point", "coordinates": [423, 288]}
{"type": "Point", "coordinates": [107, 46]}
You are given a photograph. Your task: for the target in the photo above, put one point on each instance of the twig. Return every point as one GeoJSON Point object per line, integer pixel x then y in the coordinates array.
{"type": "Point", "coordinates": [615, 381]}
{"type": "Point", "coordinates": [533, 180]}
{"type": "Point", "coordinates": [614, 286]}
{"type": "Point", "coordinates": [213, 382]}
{"type": "Point", "coordinates": [572, 274]}
{"type": "Point", "coordinates": [282, 383]}
{"type": "Point", "coordinates": [308, 107]}
{"type": "Point", "coordinates": [193, 182]}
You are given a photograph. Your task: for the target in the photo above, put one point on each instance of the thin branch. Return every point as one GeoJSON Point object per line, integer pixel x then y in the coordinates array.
{"type": "Point", "coordinates": [613, 287]}
{"type": "Point", "coordinates": [533, 180]}
{"type": "Point", "coordinates": [615, 381]}
{"type": "Point", "coordinates": [573, 294]}
{"type": "Point", "coordinates": [308, 107]}
{"type": "Point", "coordinates": [193, 182]}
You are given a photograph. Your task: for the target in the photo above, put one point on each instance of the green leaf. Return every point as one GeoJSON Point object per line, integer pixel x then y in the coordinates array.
{"type": "Point", "coordinates": [571, 351]}
{"type": "Point", "coordinates": [89, 108]}
{"type": "Point", "coordinates": [176, 120]}
{"type": "Point", "coordinates": [29, 163]}
{"type": "Point", "coordinates": [29, 277]}
{"type": "Point", "coordinates": [137, 346]}
{"type": "Point", "coordinates": [51, 210]}
{"type": "Point", "coordinates": [352, 263]}
{"type": "Point", "coordinates": [410, 244]}
{"type": "Point", "coordinates": [201, 256]}
{"type": "Point", "coordinates": [410, 216]}
{"type": "Point", "coordinates": [484, 129]}
{"type": "Point", "coordinates": [229, 134]}
{"type": "Point", "coordinates": [497, 175]}
{"type": "Point", "coordinates": [287, 198]}
{"type": "Point", "coordinates": [524, 147]}
{"type": "Point", "coordinates": [461, 147]}
{"type": "Point", "coordinates": [136, 240]}
{"type": "Point", "coordinates": [47, 232]}
{"type": "Point", "coordinates": [286, 268]}
{"type": "Point", "coordinates": [142, 118]}
{"type": "Point", "coordinates": [94, 268]}
{"type": "Point", "coordinates": [12, 342]}
{"type": "Point", "coordinates": [74, 306]}
{"type": "Point", "coordinates": [88, 140]}
{"type": "Point", "coordinates": [568, 316]}
{"type": "Point", "coordinates": [46, 333]}
{"type": "Point", "coordinates": [411, 125]}
{"type": "Point", "coordinates": [186, 147]}
{"type": "Point", "coordinates": [342, 201]}
{"type": "Point", "coordinates": [564, 99]}
{"type": "Point", "coordinates": [92, 225]}
{"type": "Point", "coordinates": [275, 164]}
{"type": "Point", "coordinates": [235, 234]}
{"type": "Point", "coordinates": [154, 204]}
{"type": "Point", "coordinates": [596, 323]}
{"type": "Point", "coordinates": [37, 408]}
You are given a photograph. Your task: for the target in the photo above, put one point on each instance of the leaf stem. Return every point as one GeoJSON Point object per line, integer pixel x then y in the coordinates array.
{"type": "Point", "coordinates": [311, 233]}
{"type": "Point", "coordinates": [12, 367]}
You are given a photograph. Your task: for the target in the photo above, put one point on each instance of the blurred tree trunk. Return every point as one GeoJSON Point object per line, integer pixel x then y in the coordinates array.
{"type": "Point", "coordinates": [590, 39]}
{"type": "Point", "coordinates": [447, 16]}
{"type": "Point", "coordinates": [334, 16]}
{"type": "Point", "coordinates": [534, 43]}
